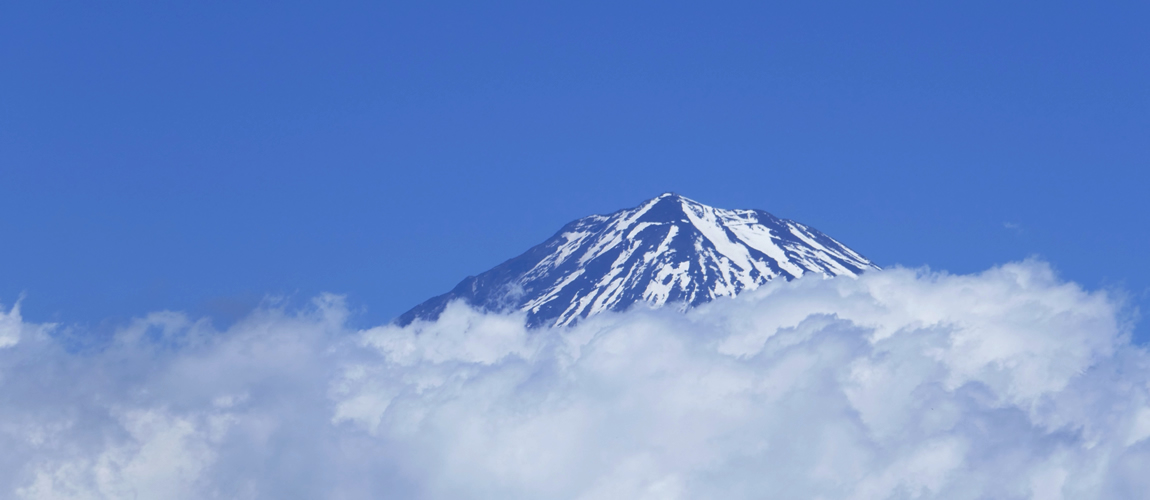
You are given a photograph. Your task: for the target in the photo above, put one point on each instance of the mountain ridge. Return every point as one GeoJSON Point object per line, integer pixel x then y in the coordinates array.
{"type": "Point", "coordinates": [668, 250]}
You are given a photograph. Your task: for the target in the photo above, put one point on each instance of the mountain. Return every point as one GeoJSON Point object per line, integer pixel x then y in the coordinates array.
{"type": "Point", "coordinates": [668, 250]}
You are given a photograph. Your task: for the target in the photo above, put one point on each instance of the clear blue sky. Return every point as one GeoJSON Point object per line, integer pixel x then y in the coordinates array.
{"type": "Point", "coordinates": [198, 156]}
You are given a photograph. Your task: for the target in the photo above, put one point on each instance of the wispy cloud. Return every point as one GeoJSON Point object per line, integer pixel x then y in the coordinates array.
{"type": "Point", "coordinates": [1005, 384]}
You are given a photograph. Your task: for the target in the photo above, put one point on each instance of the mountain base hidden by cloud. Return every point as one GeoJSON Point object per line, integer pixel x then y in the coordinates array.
{"type": "Point", "coordinates": [899, 384]}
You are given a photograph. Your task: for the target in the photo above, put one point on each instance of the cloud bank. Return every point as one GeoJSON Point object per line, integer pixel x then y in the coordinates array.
{"type": "Point", "coordinates": [900, 384]}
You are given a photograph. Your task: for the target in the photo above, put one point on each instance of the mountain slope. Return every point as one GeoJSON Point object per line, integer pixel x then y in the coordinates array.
{"type": "Point", "coordinates": [668, 250]}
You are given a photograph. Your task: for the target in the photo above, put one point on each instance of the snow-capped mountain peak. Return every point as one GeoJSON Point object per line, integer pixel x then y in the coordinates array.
{"type": "Point", "coordinates": [668, 250]}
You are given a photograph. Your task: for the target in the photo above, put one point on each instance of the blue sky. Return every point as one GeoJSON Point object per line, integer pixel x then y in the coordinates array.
{"type": "Point", "coordinates": [201, 157]}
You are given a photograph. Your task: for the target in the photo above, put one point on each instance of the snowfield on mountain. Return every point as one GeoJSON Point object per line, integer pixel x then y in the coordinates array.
{"type": "Point", "coordinates": [668, 250]}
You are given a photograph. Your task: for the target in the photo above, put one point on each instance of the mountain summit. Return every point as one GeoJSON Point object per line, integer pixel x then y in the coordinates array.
{"type": "Point", "coordinates": [668, 250]}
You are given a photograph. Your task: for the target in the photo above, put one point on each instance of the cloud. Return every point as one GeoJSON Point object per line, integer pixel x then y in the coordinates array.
{"type": "Point", "coordinates": [899, 384]}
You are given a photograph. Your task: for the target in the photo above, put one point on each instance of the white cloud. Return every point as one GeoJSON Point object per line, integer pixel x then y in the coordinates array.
{"type": "Point", "coordinates": [900, 384]}
{"type": "Point", "coordinates": [13, 327]}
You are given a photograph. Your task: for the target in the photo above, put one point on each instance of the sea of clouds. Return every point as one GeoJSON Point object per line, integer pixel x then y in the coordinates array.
{"type": "Point", "coordinates": [900, 384]}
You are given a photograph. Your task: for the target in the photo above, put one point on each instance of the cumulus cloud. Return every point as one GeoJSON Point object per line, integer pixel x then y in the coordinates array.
{"type": "Point", "coordinates": [899, 384]}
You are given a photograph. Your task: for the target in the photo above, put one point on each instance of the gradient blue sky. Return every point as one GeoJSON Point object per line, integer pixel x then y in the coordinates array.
{"type": "Point", "coordinates": [199, 156]}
